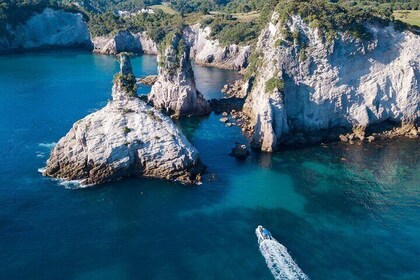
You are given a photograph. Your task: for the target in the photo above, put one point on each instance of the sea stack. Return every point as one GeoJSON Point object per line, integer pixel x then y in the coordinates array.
{"type": "Point", "coordinates": [175, 91]}
{"type": "Point", "coordinates": [124, 139]}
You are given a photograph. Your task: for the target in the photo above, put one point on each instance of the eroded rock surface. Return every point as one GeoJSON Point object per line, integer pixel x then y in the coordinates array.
{"type": "Point", "coordinates": [49, 29]}
{"type": "Point", "coordinates": [175, 90]}
{"type": "Point", "coordinates": [327, 85]}
{"type": "Point", "coordinates": [126, 138]}
{"type": "Point", "coordinates": [206, 51]}
{"type": "Point", "coordinates": [125, 41]}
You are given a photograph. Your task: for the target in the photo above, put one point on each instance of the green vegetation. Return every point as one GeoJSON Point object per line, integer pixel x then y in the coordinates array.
{"type": "Point", "coordinates": [152, 115]}
{"type": "Point", "coordinates": [383, 5]}
{"type": "Point", "coordinates": [274, 83]}
{"type": "Point", "coordinates": [102, 6]}
{"type": "Point", "coordinates": [157, 25]}
{"type": "Point", "coordinates": [255, 61]}
{"type": "Point", "coordinates": [409, 17]}
{"type": "Point", "coordinates": [179, 48]}
{"type": "Point", "coordinates": [127, 82]}
{"type": "Point", "coordinates": [164, 8]}
{"type": "Point", "coordinates": [331, 18]}
{"type": "Point", "coordinates": [229, 31]}
{"type": "Point", "coordinates": [231, 21]}
{"type": "Point", "coordinates": [13, 12]}
{"type": "Point", "coordinates": [126, 130]}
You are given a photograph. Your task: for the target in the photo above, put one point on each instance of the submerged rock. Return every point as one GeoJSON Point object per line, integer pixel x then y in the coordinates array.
{"type": "Point", "coordinates": [240, 151]}
{"type": "Point", "coordinates": [126, 138]}
{"type": "Point", "coordinates": [175, 91]}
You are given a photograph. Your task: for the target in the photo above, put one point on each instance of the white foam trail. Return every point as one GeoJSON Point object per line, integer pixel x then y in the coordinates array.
{"type": "Point", "coordinates": [280, 262]}
{"type": "Point", "coordinates": [47, 145]}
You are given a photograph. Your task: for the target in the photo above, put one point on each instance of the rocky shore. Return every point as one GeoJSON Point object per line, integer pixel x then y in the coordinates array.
{"type": "Point", "coordinates": [124, 139]}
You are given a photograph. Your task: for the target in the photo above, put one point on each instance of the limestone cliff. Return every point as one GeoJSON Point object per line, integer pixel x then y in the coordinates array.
{"type": "Point", "coordinates": [315, 84]}
{"type": "Point", "coordinates": [175, 91]}
{"type": "Point", "coordinates": [51, 28]}
{"type": "Point", "coordinates": [126, 138]}
{"type": "Point", "coordinates": [206, 51]}
{"type": "Point", "coordinates": [125, 41]}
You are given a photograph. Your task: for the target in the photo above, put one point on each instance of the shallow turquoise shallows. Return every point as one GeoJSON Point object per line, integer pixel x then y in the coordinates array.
{"type": "Point", "coordinates": [343, 212]}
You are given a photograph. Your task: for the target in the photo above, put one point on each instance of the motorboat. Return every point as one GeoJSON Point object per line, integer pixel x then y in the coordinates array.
{"type": "Point", "coordinates": [263, 234]}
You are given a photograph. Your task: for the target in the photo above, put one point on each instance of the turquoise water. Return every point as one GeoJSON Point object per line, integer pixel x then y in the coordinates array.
{"type": "Point", "coordinates": [343, 212]}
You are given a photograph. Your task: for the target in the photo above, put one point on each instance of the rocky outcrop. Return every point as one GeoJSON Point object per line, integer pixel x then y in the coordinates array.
{"type": "Point", "coordinates": [316, 85]}
{"type": "Point", "coordinates": [236, 89]}
{"type": "Point", "coordinates": [175, 91]}
{"type": "Point", "coordinates": [125, 41]}
{"type": "Point", "coordinates": [206, 51]}
{"type": "Point", "coordinates": [148, 80]}
{"type": "Point", "coordinates": [49, 29]}
{"type": "Point", "coordinates": [126, 138]}
{"type": "Point", "coordinates": [240, 151]}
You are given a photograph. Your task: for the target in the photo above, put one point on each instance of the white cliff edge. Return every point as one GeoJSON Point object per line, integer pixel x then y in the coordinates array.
{"type": "Point", "coordinates": [347, 83]}
{"type": "Point", "coordinates": [204, 50]}
{"type": "Point", "coordinates": [124, 139]}
{"type": "Point", "coordinates": [125, 41]}
{"type": "Point", "coordinates": [49, 29]}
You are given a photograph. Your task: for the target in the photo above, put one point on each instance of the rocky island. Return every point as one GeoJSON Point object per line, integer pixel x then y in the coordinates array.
{"type": "Point", "coordinates": [126, 138]}
{"type": "Point", "coordinates": [175, 90]}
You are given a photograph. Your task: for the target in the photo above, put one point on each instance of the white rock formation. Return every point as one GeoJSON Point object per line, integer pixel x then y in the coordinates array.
{"type": "Point", "coordinates": [126, 138]}
{"type": "Point", "coordinates": [206, 51]}
{"type": "Point", "coordinates": [51, 28]}
{"type": "Point", "coordinates": [175, 91]}
{"type": "Point", "coordinates": [341, 84]}
{"type": "Point", "coordinates": [125, 41]}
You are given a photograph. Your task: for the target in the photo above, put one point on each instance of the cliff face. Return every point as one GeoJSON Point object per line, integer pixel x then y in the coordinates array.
{"type": "Point", "coordinates": [206, 51]}
{"type": "Point", "coordinates": [126, 138]}
{"type": "Point", "coordinates": [203, 50]}
{"type": "Point", "coordinates": [49, 29]}
{"type": "Point", "coordinates": [125, 41]}
{"type": "Point", "coordinates": [175, 91]}
{"type": "Point", "coordinates": [344, 83]}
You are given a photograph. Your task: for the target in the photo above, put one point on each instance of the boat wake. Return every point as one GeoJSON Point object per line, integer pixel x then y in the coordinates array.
{"type": "Point", "coordinates": [279, 261]}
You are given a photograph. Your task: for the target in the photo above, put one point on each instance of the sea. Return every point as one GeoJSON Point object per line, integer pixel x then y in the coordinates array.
{"type": "Point", "coordinates": [342, 211]}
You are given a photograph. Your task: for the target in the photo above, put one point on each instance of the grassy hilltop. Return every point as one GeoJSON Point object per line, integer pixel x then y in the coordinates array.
{"type": "Point", "coordinates": [231, 21]}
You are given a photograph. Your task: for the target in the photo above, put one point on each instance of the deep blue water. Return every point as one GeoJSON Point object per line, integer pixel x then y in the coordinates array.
{"type": "Point", "coordinates": [343, 212]}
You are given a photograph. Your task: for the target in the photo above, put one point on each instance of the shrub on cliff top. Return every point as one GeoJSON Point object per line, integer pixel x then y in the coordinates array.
{"type": "Point", "coordinates": [273, 84]}
{"type": "Point", "coordinates": [127, 82]}
{"type": "Point", "coordinates": [331, 18]}
{"type": "Point", "coordinates": [176, 41]}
